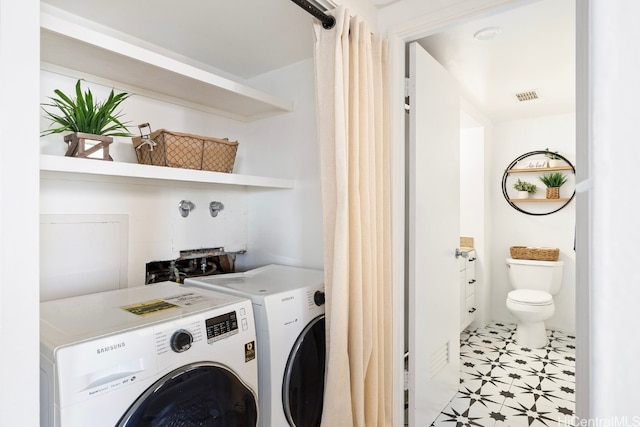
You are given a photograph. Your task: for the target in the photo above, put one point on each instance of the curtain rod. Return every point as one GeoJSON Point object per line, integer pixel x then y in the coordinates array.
{"type": "Point", "coordinates": [328, 21]}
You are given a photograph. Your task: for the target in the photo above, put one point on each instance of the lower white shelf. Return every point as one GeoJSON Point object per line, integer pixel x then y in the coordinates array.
{"type": "Point", "coordinates": [77, 165]}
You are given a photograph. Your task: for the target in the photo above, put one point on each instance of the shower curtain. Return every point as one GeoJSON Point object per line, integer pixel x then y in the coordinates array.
{"type": "Point", "coordinates": [351, 82]}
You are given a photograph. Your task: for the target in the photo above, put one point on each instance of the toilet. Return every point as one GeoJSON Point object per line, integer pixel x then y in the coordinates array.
{"type": "Point", "coordinates": [531, 301]}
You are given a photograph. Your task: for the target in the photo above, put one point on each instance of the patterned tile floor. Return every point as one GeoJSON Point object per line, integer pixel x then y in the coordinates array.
{"type": "Point", "coordinates": [505, 385]}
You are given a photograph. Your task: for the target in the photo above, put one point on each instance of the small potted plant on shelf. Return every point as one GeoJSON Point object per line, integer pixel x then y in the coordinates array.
{"type": "Point", "coordinates": [553, 181]}
{"type": "Point", "coordinates": [92, 123]}
{"type": "Point", "coordinates": [554, 160]}
{"type": "Point", "coordinates": [524, 189]}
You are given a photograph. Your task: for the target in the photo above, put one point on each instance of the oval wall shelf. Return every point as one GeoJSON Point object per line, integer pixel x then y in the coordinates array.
{"type": "Point", "coordinates": [552, 203]}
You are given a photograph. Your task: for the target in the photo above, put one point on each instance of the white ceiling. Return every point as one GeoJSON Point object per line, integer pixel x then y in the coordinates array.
{"type": "Point", "coordinates": [247, 38]}
{"type": "Point", "coordinates": [534, 51]}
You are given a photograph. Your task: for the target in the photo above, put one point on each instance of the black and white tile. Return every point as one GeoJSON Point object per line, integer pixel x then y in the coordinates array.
{"type": "Point", "coordinates": [505, 385]}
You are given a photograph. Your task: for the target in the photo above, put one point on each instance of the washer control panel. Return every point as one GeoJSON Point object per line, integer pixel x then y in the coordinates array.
{"type": "Point", "coordinates": [181, 340]}
{"type": "Point", "coordinates": [221, 326]}
{"type": "Point", "coordinates": [178, 337]}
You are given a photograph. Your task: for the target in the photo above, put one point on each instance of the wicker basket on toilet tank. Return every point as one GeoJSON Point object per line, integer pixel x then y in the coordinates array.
{"type": "Point", "coordinates": [537, 254]}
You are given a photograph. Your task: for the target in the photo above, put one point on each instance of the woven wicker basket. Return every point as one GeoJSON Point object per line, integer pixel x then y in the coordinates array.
{"type": "Point", "coordinates": [537, 254]}
{"type": "Point", "coordinates": [553, 192]}
{"type": "Point", "coordinates": [183, 150]}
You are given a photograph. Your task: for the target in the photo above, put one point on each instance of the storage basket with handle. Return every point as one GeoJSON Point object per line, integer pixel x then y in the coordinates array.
{"type": "Point", "coordinates": [537, 254]}
{"type": "Point", "coordinates": [184, 150]}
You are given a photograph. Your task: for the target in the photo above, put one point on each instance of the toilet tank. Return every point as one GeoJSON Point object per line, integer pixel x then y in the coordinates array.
{"type": "Point", "coordinates": [538, 275]}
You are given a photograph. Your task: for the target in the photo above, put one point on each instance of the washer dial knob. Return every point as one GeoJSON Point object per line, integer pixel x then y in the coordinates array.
{"type": "Point", "coordinates": [318, 298]}
{"type": "Point", "coordinates": [181, 340]}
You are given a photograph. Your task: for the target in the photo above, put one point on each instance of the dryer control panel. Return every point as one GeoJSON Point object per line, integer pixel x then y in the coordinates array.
{"type": "Point", "coordinates": [315, 298]}
{"type": "Point", "coordinates": [318, 298]}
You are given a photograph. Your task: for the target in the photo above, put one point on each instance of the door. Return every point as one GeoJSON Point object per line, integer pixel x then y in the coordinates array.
{"type": "Point", "coordinates": [433, 235]}
{"type": "Point", "coordinates": [198, 394]}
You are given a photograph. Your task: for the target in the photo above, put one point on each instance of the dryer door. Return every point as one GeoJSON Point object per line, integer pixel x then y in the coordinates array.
{"type": "Point", "coordinates": [197, 394]}
{"type": "Point", "coordinates": [303, 383]}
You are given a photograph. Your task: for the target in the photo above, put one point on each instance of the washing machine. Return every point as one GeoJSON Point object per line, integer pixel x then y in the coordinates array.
{"type": "Point", "coordinates": [288, 304]}
{"type": "Point", "coordinates": [156, 355]}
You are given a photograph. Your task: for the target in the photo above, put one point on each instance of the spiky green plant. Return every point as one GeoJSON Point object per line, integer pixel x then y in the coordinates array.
{"type": "Point", "coordinates": [554, 179]}
{"type": "Point", "coordinates": [84, 114]}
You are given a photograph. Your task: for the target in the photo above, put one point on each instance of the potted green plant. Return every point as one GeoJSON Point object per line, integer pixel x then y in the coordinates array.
{"type": "Point", "coordinates": [92, 123]}
{"type": "Point", "coordinates": [524, 188]}
{"type": "Point", "coordinates": [554, 160]}
{"type": "Point", "coordinates": [553, 181]}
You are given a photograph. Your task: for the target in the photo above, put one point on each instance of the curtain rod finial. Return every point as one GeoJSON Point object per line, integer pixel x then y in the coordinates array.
{"type": "Point", "coordinates": [330, 23]}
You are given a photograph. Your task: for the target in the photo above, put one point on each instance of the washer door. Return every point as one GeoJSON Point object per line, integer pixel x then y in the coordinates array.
{"type": "Point", "coordinates": [303, 383]}
{"type": "Point", "coordinates": [199, 394]}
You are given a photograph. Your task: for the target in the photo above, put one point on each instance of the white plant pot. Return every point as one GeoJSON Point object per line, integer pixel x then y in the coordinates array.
{"type": "Point", "coordinates": [523, 194]}
{"type": "Point", "coordinates": [555, 163]}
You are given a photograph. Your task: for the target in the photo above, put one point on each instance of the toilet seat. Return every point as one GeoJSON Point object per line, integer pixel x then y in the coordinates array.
{"type": "Point", "coordinates": [530, 297]}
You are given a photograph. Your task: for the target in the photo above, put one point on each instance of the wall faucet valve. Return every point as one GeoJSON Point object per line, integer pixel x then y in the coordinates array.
{"type": "Point", "coordinates": [185, 207]}
{"type": "Point", "coordinates": [215, 207]}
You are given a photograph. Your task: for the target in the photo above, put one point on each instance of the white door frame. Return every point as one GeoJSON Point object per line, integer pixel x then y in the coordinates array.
{"type": "Point", "coordinates": [398, 36]}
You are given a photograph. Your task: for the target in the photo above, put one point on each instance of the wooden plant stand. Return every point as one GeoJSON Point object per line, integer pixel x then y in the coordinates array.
{"type": "Point", "coordinates": [76, 145]}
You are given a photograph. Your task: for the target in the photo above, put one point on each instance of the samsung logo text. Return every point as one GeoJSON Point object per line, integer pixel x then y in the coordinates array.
{"type": "Point", "coordinates": [110, 347]}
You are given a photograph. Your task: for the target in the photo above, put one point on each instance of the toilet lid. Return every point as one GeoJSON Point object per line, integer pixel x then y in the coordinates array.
{"type": "Point", "coordinates": [531, 297]}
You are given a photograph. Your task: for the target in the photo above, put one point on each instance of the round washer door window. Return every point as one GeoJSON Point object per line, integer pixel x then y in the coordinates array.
{"type": "Point", "coordinates": [303, 383]}
{"type": "Point", "coordinates": [199, 394]}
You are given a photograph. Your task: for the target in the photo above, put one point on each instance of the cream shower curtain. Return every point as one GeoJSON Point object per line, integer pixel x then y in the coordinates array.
{"type": "Point", "coordinates": [355, 173]}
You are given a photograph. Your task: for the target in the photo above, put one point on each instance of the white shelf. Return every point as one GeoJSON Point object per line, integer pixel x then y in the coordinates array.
{"type": "Point", "coordinates": [74, 165]}
{"type": "Point", "coordinates": [67, 45]}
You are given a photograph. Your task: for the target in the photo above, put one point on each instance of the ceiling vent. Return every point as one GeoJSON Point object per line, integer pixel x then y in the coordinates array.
{"type": "Point", "coordinates": [527, 96]}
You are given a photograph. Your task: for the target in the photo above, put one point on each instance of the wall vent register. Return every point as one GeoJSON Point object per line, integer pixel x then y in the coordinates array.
{"type": "Point", "coordinates": [527, 96]}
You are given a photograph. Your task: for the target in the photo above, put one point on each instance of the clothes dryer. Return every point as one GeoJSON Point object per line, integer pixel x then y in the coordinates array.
{"type": "Point", "coordinates": [288, 305]}
{"type": "Point", "coordinates": [151, 355]}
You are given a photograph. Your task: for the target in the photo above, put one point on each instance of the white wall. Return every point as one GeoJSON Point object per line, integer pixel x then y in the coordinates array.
{"type": "Point", "coordinates": [364, 9]}
{"type": "Point", "coordinates": [274, 226]}
{"type": "Point", "coordinates": [472, 212]}
{"type": "Point", "coordinates": [511, 228]}
{"type": "Point", "coordinates": [285, 227]}
{"type": "Point", "coordinates": [479, 134]}
{"type": "Point", "coordinates": [157, 231]}
{"type": "Point", "coordinates": [19, 360]}
{"type": "Point", "coordinates": [471, 179]}
{"type": "Point", "coordinates": [614, 89]}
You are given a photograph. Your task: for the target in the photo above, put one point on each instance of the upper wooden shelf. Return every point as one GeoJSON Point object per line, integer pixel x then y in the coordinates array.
{"type": "Point", "coordinates": [75, 165]}
{"type": "Point", "coordinates": [559, 168]}
{"type": "Point", "coordinates": [70, 46]}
